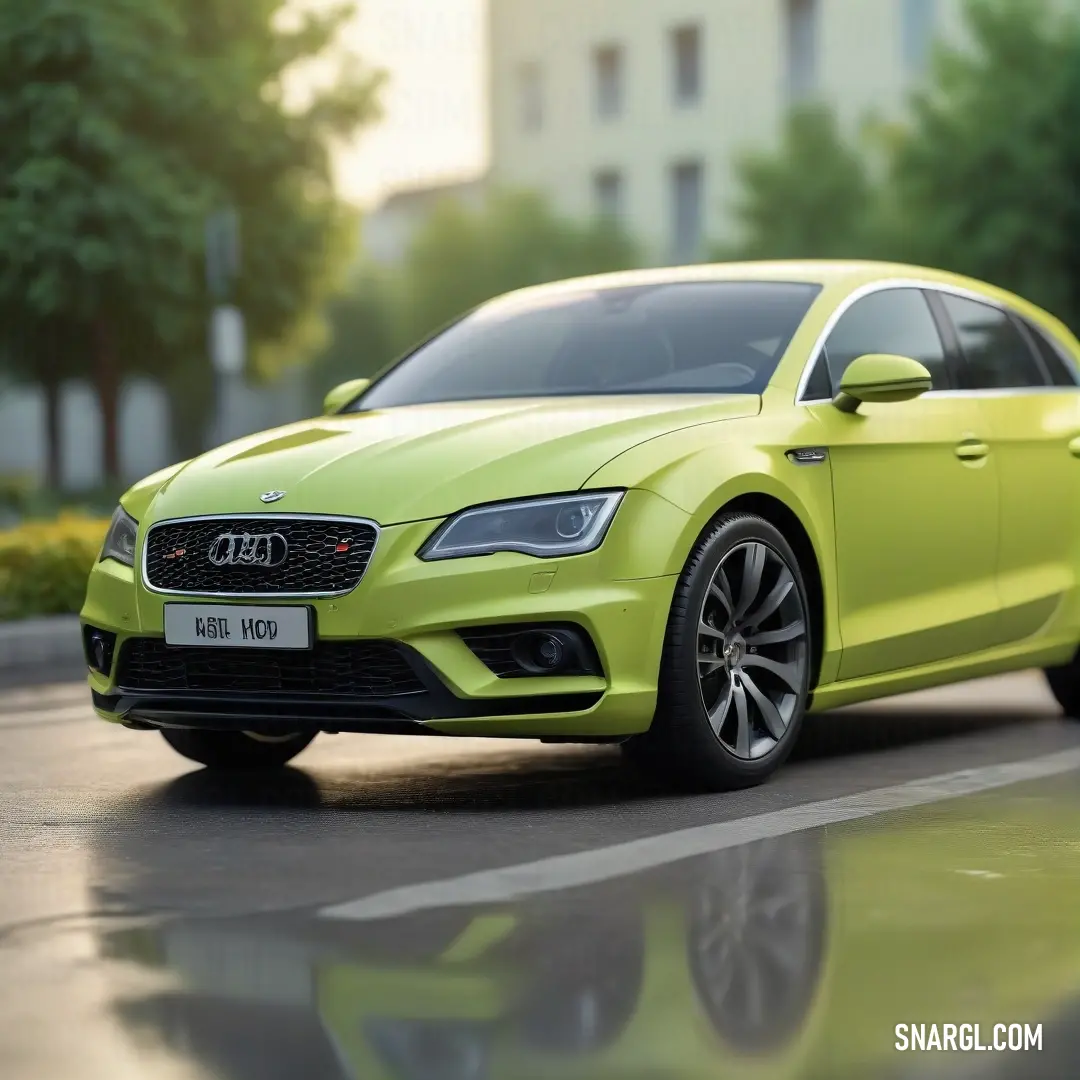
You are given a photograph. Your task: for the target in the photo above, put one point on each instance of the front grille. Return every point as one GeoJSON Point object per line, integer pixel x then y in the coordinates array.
{"type": "Point", "coordinates": [324, 556]}
{"type": "Point", "coordinates": [368, 669]}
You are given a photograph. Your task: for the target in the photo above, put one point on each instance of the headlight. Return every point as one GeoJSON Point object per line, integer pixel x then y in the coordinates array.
{"type": "Point", "coordinates": [564, 525]}
{"type": "Point", "coordinates": [120, 539]}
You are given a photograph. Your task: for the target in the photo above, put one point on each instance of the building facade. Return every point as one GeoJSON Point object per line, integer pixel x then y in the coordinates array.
{"type": "Point", "coordinates": [638, 108]}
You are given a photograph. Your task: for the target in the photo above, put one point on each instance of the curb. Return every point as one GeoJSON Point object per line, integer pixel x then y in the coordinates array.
{"type": "Point", "coordinates": [50, 640]}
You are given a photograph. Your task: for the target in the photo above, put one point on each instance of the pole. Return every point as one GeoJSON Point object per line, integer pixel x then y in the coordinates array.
{"type": "Point", "coordinates": [227, 332]}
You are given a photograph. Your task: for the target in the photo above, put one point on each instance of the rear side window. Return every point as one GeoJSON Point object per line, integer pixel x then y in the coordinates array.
{"type": "Point", "coordinates": [996, 355]}
{"type": "Point", "coordinates": [1057, 361]}
{"type": "Point", "coordinates": [897, 321]}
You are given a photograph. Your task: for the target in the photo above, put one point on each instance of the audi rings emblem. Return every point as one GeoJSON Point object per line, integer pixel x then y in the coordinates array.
{"type": "Point", "coordinates": [249, 549]}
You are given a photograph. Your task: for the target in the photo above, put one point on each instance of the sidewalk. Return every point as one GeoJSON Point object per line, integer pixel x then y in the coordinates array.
{"type": "Point", "coordinates": [29, 644]}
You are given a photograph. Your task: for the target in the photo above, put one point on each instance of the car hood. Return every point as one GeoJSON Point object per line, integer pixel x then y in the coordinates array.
{"type": "Point", "coordinates": [428, 461]}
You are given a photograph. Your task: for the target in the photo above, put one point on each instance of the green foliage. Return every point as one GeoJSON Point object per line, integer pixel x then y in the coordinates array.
{"type": "Point", "coordinates": [982, 179]}
{"type": "Point", "coordinates": [22, 498]}
{"type": "Point", "coordinates": [460, 258]}
{"type": "Point", "coordinates": [988, 180]}
{"type": "Point", "coordinates": [361, 331]}
{"type": "Point", "coordinates": [44, 565]}
{"type": "Point", "coordinates": [463, 257]}
{"type": "Point", "coordinates": [123, 124]}
{"type": "Point", "coordinates": [814, 198]}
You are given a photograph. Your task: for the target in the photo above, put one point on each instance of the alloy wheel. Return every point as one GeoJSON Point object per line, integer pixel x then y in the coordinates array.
{"type": "Point", "coordinates": [752, 652]}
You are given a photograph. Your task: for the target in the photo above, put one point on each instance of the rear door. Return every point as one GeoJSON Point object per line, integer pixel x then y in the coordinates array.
{"type": "Point", "coordinates": [1031, 401]}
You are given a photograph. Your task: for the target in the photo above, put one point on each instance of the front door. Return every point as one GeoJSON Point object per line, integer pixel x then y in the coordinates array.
{"type": "Point", "coordinates": [916, 502]}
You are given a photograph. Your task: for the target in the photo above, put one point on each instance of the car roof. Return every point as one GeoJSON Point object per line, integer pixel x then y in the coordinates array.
{"type": "Point", "coordinates": [852, 274]}
{"type": "Point", "coordinates": [837, 277]}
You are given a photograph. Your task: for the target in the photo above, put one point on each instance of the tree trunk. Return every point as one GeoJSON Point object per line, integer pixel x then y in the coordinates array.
{"type": "Point", "coordinates": [107, 378]}
{"type": "Point", "coordinates": [191, 402]}
{"type": "Point", "coordinates": [50, 386]}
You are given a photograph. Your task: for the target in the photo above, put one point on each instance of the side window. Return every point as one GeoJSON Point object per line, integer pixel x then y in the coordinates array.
{"type": "Point", "coordinates": [819, 386]}
{"type": "Point", "coordinates": [1055, 357]}
{"type": "Point", "coordinates": [996, 354]}
{"type": "Point", "coordinates": [895, 321]}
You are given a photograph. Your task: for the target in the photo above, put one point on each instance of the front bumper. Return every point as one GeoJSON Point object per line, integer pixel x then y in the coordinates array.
{"type": "Point", "coordinates": [620, 595]}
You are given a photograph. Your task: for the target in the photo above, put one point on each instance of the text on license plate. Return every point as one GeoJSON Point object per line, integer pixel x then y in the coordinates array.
{"type": "Point", "coordinates": [238, 626]}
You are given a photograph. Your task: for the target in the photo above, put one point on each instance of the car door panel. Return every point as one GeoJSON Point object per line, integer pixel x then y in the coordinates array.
{"type": "Point", "coordinates": [915, 534]}
{"type": "Point", "coordinates": [1031, 425]}
{"type": "Point", "coordinates": [1040, 483]}
{"type": "Point", "coordinates": [916, 493]}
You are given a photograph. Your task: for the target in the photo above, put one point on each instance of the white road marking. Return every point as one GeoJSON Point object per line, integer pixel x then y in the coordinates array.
{"type": "Point", "coordinates": [621, 860]}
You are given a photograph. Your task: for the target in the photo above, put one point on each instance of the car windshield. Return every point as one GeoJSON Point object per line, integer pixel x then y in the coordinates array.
{"type": "Point", "coordinates": [672, 338]}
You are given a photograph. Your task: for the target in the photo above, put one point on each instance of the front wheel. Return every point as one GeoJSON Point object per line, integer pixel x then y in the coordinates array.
{"type": "Point", "coordinates": [239, 750]}
{"type": "Point", "coordinates": [735, 672]}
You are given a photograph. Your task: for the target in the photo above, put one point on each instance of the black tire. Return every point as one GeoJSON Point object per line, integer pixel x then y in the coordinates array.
{"type": "Point", "coordinates": [236, 749]}
{"type": "Point", "coordinates": [1064, 684]}
{"type": "Point", "coordinates": [681, 744]}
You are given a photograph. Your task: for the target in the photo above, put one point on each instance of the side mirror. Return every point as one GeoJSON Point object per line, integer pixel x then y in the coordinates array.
{"type": "Point", "coordinates": [881, 377]}
{"type": "Point", "coordinates": [343, 394]}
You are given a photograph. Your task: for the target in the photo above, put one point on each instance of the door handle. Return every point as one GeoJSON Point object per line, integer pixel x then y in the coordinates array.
{"type": "Point", "coordinates": [972, 450]}
{"type": "Point", "coordinates": [1074, 446]}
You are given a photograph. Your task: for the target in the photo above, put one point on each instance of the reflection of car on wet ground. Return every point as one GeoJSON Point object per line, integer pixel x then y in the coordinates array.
{"type": "Point", "coordinates": [672, 509]}
{"type": "Point", "coordinates": [792, 957]}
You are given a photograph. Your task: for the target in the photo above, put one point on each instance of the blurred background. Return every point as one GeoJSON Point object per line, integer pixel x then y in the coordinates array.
{"type": "Point", "coordinates": [211, 212]}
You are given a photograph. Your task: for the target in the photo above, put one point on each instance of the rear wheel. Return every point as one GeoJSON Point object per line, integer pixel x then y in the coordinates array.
{"type": "Point", "coordinates": [735, 672]}
{"type": "Point", "coordinates": [1064, 684]}
{"type": "Point", "coordinates": [240, 750]}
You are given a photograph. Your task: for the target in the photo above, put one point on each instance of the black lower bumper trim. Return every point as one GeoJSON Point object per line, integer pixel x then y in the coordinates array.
{"type": "Point", "coordinates": [401, 713]}
{"type": "Point", "coordinates": [398, 715]}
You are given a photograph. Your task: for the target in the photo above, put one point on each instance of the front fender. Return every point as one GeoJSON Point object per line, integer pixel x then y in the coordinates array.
{"type": "Point", "coordinates": [703, 469]}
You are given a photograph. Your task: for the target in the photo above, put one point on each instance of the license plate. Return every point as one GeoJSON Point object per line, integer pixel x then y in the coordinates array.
{"type": "Point", "coordinates": [238, 626]}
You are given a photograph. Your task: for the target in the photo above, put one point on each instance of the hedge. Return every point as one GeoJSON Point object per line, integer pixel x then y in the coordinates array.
{"type": "Point", "coordinates": [44, 565]}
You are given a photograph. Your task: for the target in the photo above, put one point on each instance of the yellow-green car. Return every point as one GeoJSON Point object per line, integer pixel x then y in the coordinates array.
{"type": "Point", "coordinates": [674, 509]}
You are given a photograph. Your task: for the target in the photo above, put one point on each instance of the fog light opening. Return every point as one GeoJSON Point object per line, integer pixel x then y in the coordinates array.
{"type": "Point", "coordinates": [515, 651]}
{"type": "Point", "coordinates": [544, 652]}
{"type": "Point", "coordinates": [99, 646]}
{"type": "Point", "coordinates": [550, 653]}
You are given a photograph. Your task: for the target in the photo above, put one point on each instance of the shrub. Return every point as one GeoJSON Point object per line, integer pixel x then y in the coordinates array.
{"type": "Point", "coordinates": [44, 565]}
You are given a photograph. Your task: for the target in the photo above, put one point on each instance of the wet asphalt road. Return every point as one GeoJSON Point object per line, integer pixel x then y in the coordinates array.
{"type": "Point", "coordinates": [160, 922]}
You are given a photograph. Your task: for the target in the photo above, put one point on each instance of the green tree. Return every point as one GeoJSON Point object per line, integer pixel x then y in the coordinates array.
{"type": "Point", "coordinates": [813, 197]}
{"type": "Point", "coordinates": [123, 124]}
{"type": "Point", "coordinates": [361, 331]}
{"type": "Point", "coordinates": [982, 177]}
{"type": "Point", "coordinates": [459, 258]}
{"type": "Point", "coordinates": [462, 257]}
{"type": "Point", "coordinates": [987, 182]}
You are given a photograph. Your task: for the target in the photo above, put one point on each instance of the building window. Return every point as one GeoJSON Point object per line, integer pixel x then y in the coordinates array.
{"type": "Point", "coordinates": [686, 54]}
{"type": "Point", "coordinates": [531, 96]}
{"type": "Point", "coordinates": [608, 194]}
{"type": "Point", "coordinates": [802, 49]}
{"type": "Point", "coordinates": [608, 75]}
{"type": "Point", "coordinates": [688, 206]}
{"type": "Point", "coordinates": [918, 24]}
